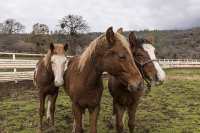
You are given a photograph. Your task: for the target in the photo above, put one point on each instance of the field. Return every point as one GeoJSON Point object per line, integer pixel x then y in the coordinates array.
{"type": "Point", "coordinates": [173, 107]}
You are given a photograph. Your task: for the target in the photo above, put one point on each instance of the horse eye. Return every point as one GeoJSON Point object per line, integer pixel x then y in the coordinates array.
{"type": "Point", "coordinates": [52, 62]}
{"type": "Point", "coordinates": [111, 53]}
{"type": "Point", "coordinates": [138, 55]}
{"type": "Point", "coordinates": [122, 56]}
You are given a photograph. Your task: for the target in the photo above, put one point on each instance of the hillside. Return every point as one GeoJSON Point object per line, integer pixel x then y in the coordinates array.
{"type": "Point", "coordinates": [169, 44]}
{"type": "Point", "coordinates": [16, 43]}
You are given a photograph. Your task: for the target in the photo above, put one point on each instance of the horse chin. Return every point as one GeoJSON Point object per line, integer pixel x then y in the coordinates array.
{"type": "Point", "coordinates": [159, 82]}
{"type": "Point", "coordinates": [153, 83]}
{"type": "Point", "coordinates": [135, 89]}
{"type": "Point", "coordinates": [58, 85]}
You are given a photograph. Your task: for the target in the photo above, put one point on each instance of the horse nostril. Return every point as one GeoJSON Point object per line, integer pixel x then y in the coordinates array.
{"type": "Point", "coordinates": [141, 86]}
{"type": "Point", "coordinates": [58, 83]}
{"type": "Point", "coordinates": [132, 88]}
{"type": "Point", "coordinates": [135, 88]}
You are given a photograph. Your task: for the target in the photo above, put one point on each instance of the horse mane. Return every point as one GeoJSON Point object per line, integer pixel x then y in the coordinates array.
{"type": "Point", "coordinates": [87, 54]}
{"type": "Point", "coordinates": [47, 59]}
{"type": "Point", "coordinates": [141, 41]}
{"type": "Point", "coordinates": [58, 49]}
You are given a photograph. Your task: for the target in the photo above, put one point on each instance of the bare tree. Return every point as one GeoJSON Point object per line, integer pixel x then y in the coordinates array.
{"type": "Point", "coordinates": [40, 29]}
{"type": "Point", "coordinates": [11, 26]}
{"type": "Point", "coordinates": [74, 24]}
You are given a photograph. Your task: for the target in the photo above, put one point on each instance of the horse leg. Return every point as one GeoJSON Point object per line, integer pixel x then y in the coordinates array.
{"type": "Point", "coordinates": [94, 112]}
{"type": "Point", "coordinates": [112, 120]}
{"type": "Point", "coordinates": [119, 117]}
{"type": "Point", "coordinates": [52, 108]}
{"type": "Point", "coordinates": [42, 108]}
{"type": "Point", "coordinates": [77, 111]}
{"type": "Point", "coordinates": [131, 114]}
{"type": "Point", "coordinates": [49, 104]}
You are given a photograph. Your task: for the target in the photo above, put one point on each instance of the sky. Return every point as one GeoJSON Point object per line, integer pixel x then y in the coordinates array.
{"type": "Point", "coordinates": [100, 14]}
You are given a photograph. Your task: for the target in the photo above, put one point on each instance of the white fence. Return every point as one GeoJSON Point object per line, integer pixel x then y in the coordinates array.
{"type": "Point", "coordinates": [9, 64]}
{"type": "Point", "coordinates": [20, 66]}
{"type": "Point", "coordinates": [180, 63]}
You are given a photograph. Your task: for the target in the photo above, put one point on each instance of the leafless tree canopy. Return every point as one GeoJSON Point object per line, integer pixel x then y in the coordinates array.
{"type": "Point", "coordinates": [74, 24]}
{"type": "Point", "coordinates": [40, 29]}
{"type": "Point", "coordinates": [11, 26]}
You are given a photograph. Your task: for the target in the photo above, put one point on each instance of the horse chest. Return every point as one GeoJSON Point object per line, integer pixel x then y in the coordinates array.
{"type": "Point", "coordinates": [87, 98]}
{"type": "Point", "coordinates": [126, 98]}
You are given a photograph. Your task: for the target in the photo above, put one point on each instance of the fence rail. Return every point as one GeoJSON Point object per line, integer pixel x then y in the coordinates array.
{"type": "Point", "coordinates": [11, 62]}
{"type": "Point", "coordinates": [179, 63]}
{"type": "Point", "coordinates": [10, 65]}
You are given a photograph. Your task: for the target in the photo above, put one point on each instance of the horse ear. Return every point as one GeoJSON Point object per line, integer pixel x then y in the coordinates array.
{"type": "Point", "coordinates": [66, 47]}
{"type": "Point", "coordinates": [110, 35]}
{"type": "Point", "coordinates": [51, 46]}
{"type": "Point", "coordinates": [132, 40]}
{"type": "Point", "coordinates": [120, 30]}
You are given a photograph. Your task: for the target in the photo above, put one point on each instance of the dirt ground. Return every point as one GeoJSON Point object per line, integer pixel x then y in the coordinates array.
{"type": "Point", "coordinates": [12, 89]}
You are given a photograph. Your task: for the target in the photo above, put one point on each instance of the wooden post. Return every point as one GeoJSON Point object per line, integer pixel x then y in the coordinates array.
{"type": "Point", "coordinates": [15, 69]}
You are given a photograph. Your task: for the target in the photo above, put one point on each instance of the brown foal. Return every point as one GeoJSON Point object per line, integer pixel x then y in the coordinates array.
{"type": "Point", "coordinates": [48, 77]}
{"type": "Point", "coordinates": [108, 53]}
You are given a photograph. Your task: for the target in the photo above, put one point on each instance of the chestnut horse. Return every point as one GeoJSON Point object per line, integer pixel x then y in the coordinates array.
{"type": "Point", "coordinates": [125, 100]}
{"type": "Point", "coordinates": [108, 53]}
{"type": "Point", "coordinates": [48, 77]}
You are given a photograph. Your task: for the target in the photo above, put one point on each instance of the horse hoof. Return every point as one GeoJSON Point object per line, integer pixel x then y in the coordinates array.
{"type": "Point", "coordinates": [111, 122]}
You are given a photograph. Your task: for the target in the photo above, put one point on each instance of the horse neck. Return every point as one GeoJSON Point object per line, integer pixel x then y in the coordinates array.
{"type": "Point", "coordinates": [48, 70]}
{"type": "Point", "coordinates": [91, 72]}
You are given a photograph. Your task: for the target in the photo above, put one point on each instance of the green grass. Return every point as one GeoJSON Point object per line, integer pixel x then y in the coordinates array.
{"type": "Point", "coordinates": [173, 107]}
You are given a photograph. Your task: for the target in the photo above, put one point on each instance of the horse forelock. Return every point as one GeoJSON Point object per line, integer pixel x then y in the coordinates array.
{"type": "Point", "coordinates": [141, 41]}
{"type": "Point", "coordinates": [58, 50]}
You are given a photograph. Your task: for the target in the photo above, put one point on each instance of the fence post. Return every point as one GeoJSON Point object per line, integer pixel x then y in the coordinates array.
{"type": "Point", "coordinates": [15, 69]}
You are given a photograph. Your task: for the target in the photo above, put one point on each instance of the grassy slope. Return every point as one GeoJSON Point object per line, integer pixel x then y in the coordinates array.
{"type": "Point", "coordinates": [171, 108]}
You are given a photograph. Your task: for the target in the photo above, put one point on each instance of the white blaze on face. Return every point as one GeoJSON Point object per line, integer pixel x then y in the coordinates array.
{"type": "Point", "coordinates": [151, 52]}
{"type": "Point", "coordinates": [58, 63]}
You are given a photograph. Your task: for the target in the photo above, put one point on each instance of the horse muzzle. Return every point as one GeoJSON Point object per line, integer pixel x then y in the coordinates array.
{"type": "Point", "coordinates": [58, 83]}
{"type": "Point", "coordinates": [136, 88]}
